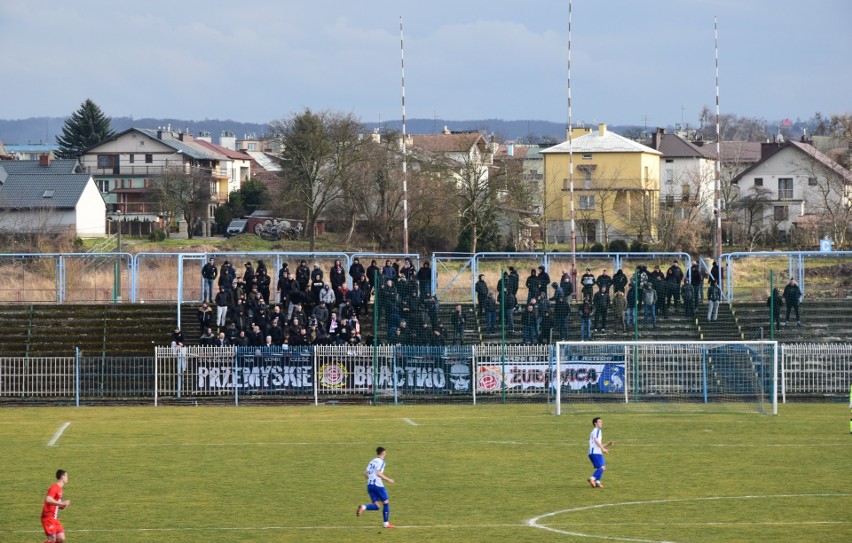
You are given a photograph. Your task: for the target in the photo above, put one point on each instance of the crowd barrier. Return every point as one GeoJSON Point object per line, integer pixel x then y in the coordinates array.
{"type": "Point", "coordinates": [386, 374]}
{"type": "Point", "coordinates": [175, 277]}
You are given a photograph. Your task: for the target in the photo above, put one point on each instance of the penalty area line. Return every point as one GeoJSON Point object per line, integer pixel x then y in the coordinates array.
{"type": "Point", "coordinates": [411, 422]}
{"type": "Point", "coordinates": [58, 434]}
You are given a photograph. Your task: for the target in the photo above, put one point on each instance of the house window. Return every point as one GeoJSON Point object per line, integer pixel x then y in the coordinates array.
{"type": "Point", "coordinates": [103, 185]}
{"type": "Point", "coordinates": [785, 188]}
{"type": "Point", "coordinates": [669, 161]}
{"type": "Point", "coordinates": [587, 202]}
{"type": "Point", "coordinates": [131, 158]}
{"type": "Point", "coordinates": [149, 158]}
{"type": "Point", "coordinates": [684, 192]}
{"type": "Point", "coordinates": [812, 181]}
{"type": "Point", "coordinates": [252, 146]}
{"type": "Point", "coordinates": [782, 213]}
{"type": "Point", "coordinates": [105, 162]}
{"type": "Point", "coordinates": [587, 156]}
{"type": "Point", "coordinates": [669, 200]}
{"type": "Point", "coordinates": [758, 181]}
{"type": "Point", "coordinates": [669, 176]}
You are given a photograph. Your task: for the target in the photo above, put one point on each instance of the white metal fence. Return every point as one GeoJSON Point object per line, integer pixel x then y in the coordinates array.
{"type": "Point", "coordinates": [469, 374]}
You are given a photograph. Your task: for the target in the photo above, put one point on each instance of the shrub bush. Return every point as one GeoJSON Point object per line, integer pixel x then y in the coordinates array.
{"type": "Point", "coordinates": [618, 246]}
{"type": "Point", "coordinates": [157, 235]}
{"type": "Point", "coordinates": [637, 246]}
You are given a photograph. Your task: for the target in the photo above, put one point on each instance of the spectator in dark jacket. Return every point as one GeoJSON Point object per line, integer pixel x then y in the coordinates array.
{"type": "Point", "coordinates": [481, 288]}
{"type": "Point", "coordinates": [792, 297]}
{"type": "Point", "coordinates": [424, 280]}
{"type": "Point", "coordinates": [774, 301]}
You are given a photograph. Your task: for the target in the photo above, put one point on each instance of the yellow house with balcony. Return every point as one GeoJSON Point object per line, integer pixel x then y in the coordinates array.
{"type": "Point", "coordinates": [616, 188]}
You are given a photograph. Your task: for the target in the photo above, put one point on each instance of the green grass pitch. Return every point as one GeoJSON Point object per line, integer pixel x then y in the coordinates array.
{"type": "Point", "coordinates": [463, 473]}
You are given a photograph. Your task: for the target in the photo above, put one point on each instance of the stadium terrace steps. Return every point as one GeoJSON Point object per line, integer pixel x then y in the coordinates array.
{"type": "Point", "coordinates": [49, 330]}
{"type": "Point", "coordinates": [823, 321]}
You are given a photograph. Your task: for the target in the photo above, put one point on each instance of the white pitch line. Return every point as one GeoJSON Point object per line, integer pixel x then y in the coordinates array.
{"type": "Point", "coordinates": [534, 522]}
{"type": "Point", "coordinates": [58, 434]}
{"type": "Point", "coordinates": [278, 528]}
{"type": "Point", "coordinates": [411, 422]}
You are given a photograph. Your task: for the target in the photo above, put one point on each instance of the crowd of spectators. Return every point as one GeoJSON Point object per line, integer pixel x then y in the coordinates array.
{"type": "Point", "coordinates": [616, 301]}
{"type": "Point", "coordinates": [313, 307]}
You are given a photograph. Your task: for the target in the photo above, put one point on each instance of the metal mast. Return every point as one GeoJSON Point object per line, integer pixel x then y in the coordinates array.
{"type": "Point", "coordinates": [571, 159]}
{"type": "Point", "coordinates": [404, 154]}
{"type": "Point", "coordinates": [718, 230]}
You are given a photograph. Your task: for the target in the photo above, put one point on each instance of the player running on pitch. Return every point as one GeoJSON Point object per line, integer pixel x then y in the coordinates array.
{"type": "Point", "coordinates": [596, 451]}
{"type": "Point", "coordinates": [375, 474]}
{"type": "Point", "coordinates": [53, 502]}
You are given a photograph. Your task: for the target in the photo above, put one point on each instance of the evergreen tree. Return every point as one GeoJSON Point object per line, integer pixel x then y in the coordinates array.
{"type": "Point", "coordinates": [84, 128]}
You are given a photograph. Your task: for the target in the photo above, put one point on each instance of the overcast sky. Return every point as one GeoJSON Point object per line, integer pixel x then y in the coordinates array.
{"type": "Point", "coordinates": [633, 62]}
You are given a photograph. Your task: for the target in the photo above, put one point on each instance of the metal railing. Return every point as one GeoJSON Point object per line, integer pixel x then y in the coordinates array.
{"type": "Point", "coordinates": [385, 374]}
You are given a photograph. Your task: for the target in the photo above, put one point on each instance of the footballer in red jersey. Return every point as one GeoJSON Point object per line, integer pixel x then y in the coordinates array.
{"type": "Point", "coordinates": [53, 502]}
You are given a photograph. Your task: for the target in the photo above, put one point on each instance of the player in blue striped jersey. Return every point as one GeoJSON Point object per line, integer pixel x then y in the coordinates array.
{"type": "Point", "coordinates": [596, 451]}
{"type": "Point", "coordinates": [375, 474]}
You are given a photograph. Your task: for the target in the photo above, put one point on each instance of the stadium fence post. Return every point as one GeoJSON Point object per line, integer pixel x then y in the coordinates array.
{"type": "Point", "coordinates": [772, 305]}
{"type": "Point", "coordinates": [375, 335]}
{"type": "Point", "coordinates": [237, 388]}
{"type": "Point", "coordinates": [775, 379]}
{"type": "Point", "coordinates": [635, 301]}
{"type": "Point", "coordinates": [502, 283]}
{"type": "Point", "coordinates": [556, 380]}
{"type": "Point", "coordinates": [77, 376]}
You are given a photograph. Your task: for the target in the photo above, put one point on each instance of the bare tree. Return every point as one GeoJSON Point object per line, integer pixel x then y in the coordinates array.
{"type": "Point", "coordinates": [185, 191]}
{"type": "Point", "coordinates": [753, 208]}
{"type": "Point", "coordinates": [732, 127]}
{"type": "Point", "coordinates": [320, 151]}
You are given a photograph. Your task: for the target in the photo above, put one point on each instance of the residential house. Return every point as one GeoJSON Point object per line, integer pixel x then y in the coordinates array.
{"type": "Point", "coordinates": [616, 188]}
{"type": "Point", "coordinates": [46, 196]}
{"type": "Point", "coordinates": [520, 219]}
{"type": "Point", "coordinates": [32, 151]}
{"type": "Point", "coordinates": [687, 177]}
{"type": "Point", "coordinates": [126, 167]}
{"type": "Point", "coordinates": [235, 165]}
{"type": "Point", "coordinates": [795, 187]}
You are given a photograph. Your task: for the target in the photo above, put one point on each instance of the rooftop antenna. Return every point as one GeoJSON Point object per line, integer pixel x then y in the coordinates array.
{"type": "Point", "coordinates": [404, 155]}
{"type": "Point", "coordinates": [718, 230]}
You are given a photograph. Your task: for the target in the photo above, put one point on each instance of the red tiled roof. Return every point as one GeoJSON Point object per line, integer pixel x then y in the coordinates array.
{"type": "Point", "coordinates": [447, 143]}
{"type": "Point", "coordinates": [230, 153]}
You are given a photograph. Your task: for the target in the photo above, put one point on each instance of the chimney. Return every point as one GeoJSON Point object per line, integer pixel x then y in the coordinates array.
{"type": "Point", "coordinates": [769, 148]}
{"type": "Point", "coordinates": [228, 140]}
{"type": "Point", "coordinates": [44, 160]}
{"type": "Point", "coordinates": [602, 130]}
{"type": "Point", "coordinates": [185, 136]}
{"type": "Point", "coordinates": [657, 138]}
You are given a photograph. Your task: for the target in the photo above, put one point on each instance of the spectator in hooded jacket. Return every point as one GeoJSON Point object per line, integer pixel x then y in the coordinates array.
{"type": "Point", "coordinates": [792, 296]}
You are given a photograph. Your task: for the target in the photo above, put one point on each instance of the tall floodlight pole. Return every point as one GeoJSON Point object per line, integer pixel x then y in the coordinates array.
{"type": "Point", "coordinates": [718, 246]}
{"type": "Point", "coordinates": [571, 159]}
{"type": "Point", "coordinates": [404, 154]}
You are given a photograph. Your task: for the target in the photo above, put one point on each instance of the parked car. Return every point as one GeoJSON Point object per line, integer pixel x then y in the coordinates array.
{"type": "Point", "coordinates": [236, 227]}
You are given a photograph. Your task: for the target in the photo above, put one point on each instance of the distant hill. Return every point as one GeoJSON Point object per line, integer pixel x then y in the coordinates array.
{"type": "Point", "coordinates": [45, 129]}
